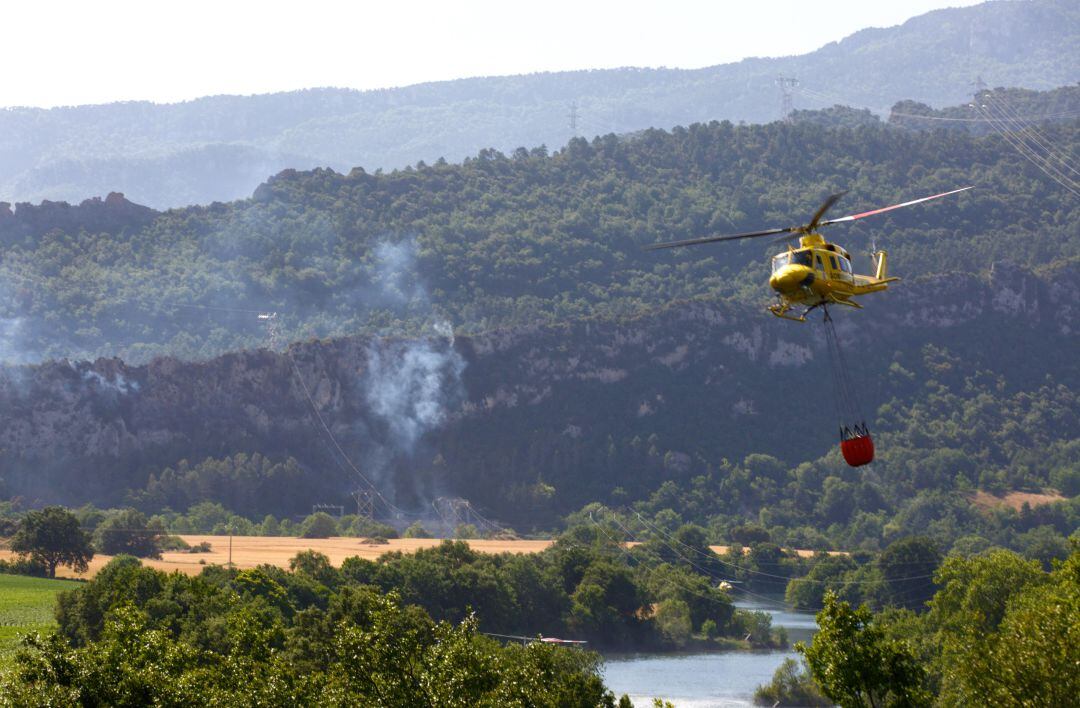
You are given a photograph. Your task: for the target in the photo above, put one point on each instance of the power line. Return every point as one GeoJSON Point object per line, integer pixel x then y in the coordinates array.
{"type": "Point", "coordinates": [839, 100]}
{"type": "Point", "coordinates": [1035, 159]}
{"type": "Point", "coordinates": [715, 556]}
{"type": "Point", "coordinates": [1029, 131]}
{"type": "Point", "coordinates": [330, 434]}
{"type": "Point", "coordinates": [621, 546]}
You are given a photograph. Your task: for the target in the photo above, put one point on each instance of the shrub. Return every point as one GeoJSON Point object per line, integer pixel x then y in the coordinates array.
{"type": "Point", "coordinates": [174, 543]}
{"type": "Point", "coordinates": [465, 531]}
{"type": "Point", "coordinates": [791, 685]}
{"type": "Point", "coordinates": [417, 530]}
{"type": "Point", "coordinates": [673, 619]}
{"type": "Point", "coordinates": [362, 526]}
{"type": "Point", "coordinates": [24, 566]}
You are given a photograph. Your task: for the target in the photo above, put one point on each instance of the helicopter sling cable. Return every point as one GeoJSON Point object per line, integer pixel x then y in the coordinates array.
{"type": "Point", "coordinates": [856, 445]}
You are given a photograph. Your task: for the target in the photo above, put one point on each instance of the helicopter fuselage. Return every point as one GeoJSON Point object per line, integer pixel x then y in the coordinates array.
{"type": "Point", "coordinates": [819, 273]}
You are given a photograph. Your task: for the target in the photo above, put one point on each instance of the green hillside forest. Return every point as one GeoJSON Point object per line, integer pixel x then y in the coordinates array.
{"type": "Point", "coordinates": [433, 312]}
{"type": "Point", "coordinates": [494, 330]}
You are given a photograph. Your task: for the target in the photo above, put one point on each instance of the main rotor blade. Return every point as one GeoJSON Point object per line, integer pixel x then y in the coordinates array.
{"type": "Point", "coordinates": [786, 239]}
{"type": "Point", "coordinates": [833, 199]}
{"type": "Point", "coordinates": [712, 239]}
{"type": "Point", "coordinates": [853, 217]}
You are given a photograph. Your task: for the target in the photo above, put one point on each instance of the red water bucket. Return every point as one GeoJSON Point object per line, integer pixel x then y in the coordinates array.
{"type": "Point", "coordinates": [858, 450]}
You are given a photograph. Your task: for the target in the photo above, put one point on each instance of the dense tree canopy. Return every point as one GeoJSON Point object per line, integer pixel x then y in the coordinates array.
{"type": "Point", "coordinates": [515, 238]}
{"type": "Point", "coordinates": [141, 637]}
{"type": "Point", "coordinates": [130, 532]}
{"type": "Point", "coordinates": [857, 664]}
{"type": "Point", "coordinates": [52, 537]}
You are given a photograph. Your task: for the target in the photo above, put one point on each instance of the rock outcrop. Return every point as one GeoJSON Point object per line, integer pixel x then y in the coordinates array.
{"type": "Point", "coordinates": [706, 368]}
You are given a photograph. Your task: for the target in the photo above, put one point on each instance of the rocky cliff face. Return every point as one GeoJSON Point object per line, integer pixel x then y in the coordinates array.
{"type": "Point", "coordinates": [501, 407]}
{"type": "Point", "coordinates": [110, 214]}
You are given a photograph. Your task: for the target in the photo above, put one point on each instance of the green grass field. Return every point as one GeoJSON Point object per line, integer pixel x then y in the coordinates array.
{"type": "Point", "coordinates": [26, 605]}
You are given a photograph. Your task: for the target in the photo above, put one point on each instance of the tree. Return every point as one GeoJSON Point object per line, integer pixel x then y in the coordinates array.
{"type": "Point", "coordinates": [673, 619]}
{"type": "Point", "coordinates": [908, 567]}
{"type": "Point", "coordinates": [1044, 545]}
{"type": "Point", "coordinates": [314, 565]}
{"type": "Point", "coordinates": [827, 573]}
{"type": "Point", "coordinates": [130, 532]}
{"type": "Point", "coordinates": [750, 533]}
{"type": "Point", "coordinates": [855, 664]}
{"type": "Point", "coordinates": [319, 525]}
{"type": "Point", "coordinates": [791, 685]}
{"type": "Point", "coordinates": [52, 537]}
{"type": "Point", "coordinates": [1008, 631]}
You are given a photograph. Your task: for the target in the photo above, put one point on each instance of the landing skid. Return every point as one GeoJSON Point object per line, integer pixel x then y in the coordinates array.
{"type": "Point", "coordinates": [781, 309]}
{"type": "Point", "coordinates": [781, 312]}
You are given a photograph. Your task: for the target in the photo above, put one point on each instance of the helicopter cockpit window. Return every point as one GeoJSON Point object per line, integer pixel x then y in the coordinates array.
{"type": "Point", "coordinates": [802, 258]}
{"type": "Point", "coordinates": [845, 265]}
{"type": "Point", "coordinates": [780, 261]}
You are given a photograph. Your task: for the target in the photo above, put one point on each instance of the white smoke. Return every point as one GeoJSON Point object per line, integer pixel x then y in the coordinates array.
{"type": "Point", "coordinates": [409, 385]}
{"type": "Point", "coordinates": [11, 351]}
{"type": "Point", "coordinates": [393, 274]}
{"type": "Point", "coordinates": [119, 385]}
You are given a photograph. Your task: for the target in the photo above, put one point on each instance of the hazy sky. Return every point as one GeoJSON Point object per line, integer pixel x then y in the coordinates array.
{"type": "Point", "coordinates": [65, 53]}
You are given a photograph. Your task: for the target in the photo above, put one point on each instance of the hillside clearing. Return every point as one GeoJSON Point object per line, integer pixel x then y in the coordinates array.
{"type": "Point", "coordinates": [1015, 500]}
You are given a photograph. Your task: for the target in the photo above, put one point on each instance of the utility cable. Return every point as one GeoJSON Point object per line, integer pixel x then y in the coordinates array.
{"type": "Point", "coordinates": [622, 547]}
{"type": "Point", "coordinates": [716, 556]}
{"type": "Point", "coordinates": [337, 446]}
{"type": "Point", "coordinates": [1019, 141]}
{"type": "Point", "coordinates": [1006, 114]}
{"type": "Point", "coordinates": [1033, 159]}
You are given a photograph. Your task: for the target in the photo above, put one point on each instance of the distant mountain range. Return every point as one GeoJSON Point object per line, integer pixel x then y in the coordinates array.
{"type": "Point", "coordinates": [219, 148]}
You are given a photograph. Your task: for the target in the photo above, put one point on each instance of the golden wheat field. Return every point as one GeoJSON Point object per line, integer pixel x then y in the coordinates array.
{"type": "Point", "coordinates": [250, 551]}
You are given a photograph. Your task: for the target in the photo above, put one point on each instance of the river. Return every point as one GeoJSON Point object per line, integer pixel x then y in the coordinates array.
{"type": "Point", "coordinates": [705, 680]}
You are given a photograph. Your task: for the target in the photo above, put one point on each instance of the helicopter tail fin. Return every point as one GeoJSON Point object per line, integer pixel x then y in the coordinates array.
{"type": "Point", "coordinates": [881, 260]}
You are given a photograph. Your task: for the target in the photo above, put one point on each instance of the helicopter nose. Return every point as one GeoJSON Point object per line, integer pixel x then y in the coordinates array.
{"type": "Point", "coordinates": [790, 278]}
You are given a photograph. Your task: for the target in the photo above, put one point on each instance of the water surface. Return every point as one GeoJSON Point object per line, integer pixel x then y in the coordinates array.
{"type": "Point", "coordinates": [706, 680]}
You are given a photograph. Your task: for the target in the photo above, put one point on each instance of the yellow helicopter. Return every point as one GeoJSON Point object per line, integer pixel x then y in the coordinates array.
{"type": "Point", "coordinates": [817, 272]}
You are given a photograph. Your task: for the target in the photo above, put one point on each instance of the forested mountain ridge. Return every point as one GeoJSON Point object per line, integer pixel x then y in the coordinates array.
{"type": "Point", "coordinates": [539, 420]}
{"type": "Point", "coordinates": [507, 240]}
{"type": "Point", "coordinates": [569, 365]}
{"type": "Point", "coordinates": [218, 148]}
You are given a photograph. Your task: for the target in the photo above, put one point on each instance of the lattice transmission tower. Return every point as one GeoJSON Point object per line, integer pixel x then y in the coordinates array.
{"type": "Point", "coordinates": [787, 106]}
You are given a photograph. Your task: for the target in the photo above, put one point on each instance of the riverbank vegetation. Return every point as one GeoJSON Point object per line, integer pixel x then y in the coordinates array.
{"type": "Point", "coordinates": [1000, 630]}
{"type": "Point", "coordinates": [935, 614]}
